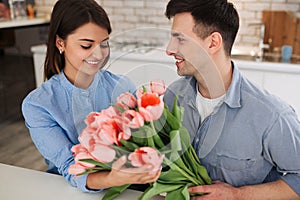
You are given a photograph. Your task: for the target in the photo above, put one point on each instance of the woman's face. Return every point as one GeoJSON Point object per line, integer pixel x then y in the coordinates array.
{"type": "Point", "coordinates": [85, 50]}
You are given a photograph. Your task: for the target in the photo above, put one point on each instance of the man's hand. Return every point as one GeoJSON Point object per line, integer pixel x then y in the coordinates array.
{"type": "Point", "coordinates": [277, 190]}
{"type": "Point", "coordinates": [218, 190]}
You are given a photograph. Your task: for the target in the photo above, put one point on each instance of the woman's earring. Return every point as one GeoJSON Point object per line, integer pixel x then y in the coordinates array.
{"type": "Point", "coordinates": [60, 51]}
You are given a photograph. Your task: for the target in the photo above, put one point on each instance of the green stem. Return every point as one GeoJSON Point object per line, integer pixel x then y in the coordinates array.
{"type": "Point", "coordinates": [175, 167]}
{"type": "Point", "coordinates": [150, 139]}
{"type": "Point", "coordinates": [156, 137]}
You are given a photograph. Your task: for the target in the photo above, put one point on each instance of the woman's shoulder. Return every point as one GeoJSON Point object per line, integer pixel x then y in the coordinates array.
{"type": "Point", "coordinates": [45, 92]}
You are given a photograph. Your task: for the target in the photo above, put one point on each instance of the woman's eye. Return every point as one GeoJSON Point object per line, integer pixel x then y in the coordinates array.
{"type": "Point", "coordinates": [86, 47]}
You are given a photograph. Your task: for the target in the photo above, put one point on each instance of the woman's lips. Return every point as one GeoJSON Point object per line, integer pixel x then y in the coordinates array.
{"type": "Point", "coordinates": [92, 62]}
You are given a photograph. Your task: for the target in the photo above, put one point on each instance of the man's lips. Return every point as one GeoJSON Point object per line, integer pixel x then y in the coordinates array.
{"type": "Point", "coordinates": [179, 61]}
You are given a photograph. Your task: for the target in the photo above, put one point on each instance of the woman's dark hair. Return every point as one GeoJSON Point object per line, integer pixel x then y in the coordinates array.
{"type": "Point", "coordinates": [66, 17]}
{"type": "Point", "coordinates": [210, 16]}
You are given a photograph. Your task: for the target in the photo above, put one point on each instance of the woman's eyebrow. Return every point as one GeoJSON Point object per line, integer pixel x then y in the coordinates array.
{"type": "Point", "coordinates": [87, 40]}
{"type": "Point", "coordinates": [90, 40]}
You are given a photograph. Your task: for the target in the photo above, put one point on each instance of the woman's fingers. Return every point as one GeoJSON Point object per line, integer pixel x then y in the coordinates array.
{"type": "Point", "coordinates": [136, 175]}
{"type": "Point", "coordinates": [119, 164]}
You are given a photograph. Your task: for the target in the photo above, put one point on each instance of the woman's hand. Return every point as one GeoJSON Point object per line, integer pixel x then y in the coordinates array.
{"type": "Point", "coordinates": [121, 175]}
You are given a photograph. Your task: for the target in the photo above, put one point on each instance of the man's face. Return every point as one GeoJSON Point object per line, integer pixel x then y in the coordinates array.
{"type": "Point", "coordinates": [186, 47]}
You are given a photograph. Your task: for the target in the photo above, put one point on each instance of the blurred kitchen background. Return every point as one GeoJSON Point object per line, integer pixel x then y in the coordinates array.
{"type": "Point", "coordinates": [140, 35]}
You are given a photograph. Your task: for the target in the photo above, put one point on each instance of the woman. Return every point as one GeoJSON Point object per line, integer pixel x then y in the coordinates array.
{"type": "Point", "coordinates": [77, 49]}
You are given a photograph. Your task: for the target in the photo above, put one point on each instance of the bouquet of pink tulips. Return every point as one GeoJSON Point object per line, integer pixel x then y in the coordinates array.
{"type": "Point", "coordinates": [147, 132]}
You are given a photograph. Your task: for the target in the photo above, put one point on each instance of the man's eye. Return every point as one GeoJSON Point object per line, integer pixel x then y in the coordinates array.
{"type": "Point", "coordinates": [86, 47]}
{"type": "Point", "coordinates": [180, 39]}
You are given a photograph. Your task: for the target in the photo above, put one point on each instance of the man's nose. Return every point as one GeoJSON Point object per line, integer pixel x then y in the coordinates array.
{"type": "Point", "coordinates": [169, 53]}
{"type": "Point", "coordinates": [172, 48]}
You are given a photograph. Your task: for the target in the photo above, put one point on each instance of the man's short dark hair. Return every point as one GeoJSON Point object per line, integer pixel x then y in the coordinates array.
{"type": "Point", "coordinates": [210, 16]}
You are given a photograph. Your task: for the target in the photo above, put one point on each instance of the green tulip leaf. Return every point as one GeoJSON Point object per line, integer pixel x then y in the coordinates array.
{"type": "Point", "coordinates": [115, 191]}
{"type": "Point", "coordinates": [181, 193]}
{"type": "Point", "coordinates": [158, 188]}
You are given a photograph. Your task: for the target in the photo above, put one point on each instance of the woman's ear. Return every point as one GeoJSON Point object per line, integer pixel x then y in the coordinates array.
{"type": "Point", "coordinates": [60, 44]}
{"type": "Point", "coordinates": [216, 42]}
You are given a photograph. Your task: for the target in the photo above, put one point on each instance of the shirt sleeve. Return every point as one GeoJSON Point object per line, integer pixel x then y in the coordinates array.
{"type": "Point", "coordinates": [51, 140]}
{"type": "Point", "coordinates": [282, 148]}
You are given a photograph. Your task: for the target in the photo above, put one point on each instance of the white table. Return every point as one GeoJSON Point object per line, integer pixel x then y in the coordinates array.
{"type": "Point", "coordinates": [23, 22]}
{"type": "Point", "coordinates": [25, 184]}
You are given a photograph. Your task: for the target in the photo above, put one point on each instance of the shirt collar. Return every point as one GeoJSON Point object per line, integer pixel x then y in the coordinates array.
{"type": "Point", "coordinates": [70, 87]}
{"type": "Point", "coordinates": [233, 96]}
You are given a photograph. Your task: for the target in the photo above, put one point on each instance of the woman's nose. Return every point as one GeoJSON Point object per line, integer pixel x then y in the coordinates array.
{"type": "Point", "coordinates": [98, 52]}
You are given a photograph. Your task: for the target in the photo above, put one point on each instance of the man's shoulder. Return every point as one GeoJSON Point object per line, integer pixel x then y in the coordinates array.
{"type": "Point", "coordinates": [182, 84]}
{"type": "Point", "coordinates": [181, 88]}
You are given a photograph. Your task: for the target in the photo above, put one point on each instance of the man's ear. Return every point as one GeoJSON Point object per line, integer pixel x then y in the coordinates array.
{"type": "Point", "coordinates": [60, 43]}
{"type": "Point", "coordinates": [216, 42]}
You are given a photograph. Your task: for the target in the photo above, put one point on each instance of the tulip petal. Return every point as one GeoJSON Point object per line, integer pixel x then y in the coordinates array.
{"type": "Point", "coordinates": [103, 153]}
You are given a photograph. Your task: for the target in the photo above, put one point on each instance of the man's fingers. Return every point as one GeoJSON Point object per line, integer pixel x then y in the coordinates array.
{"type": "Point", "coordinates": [197, 189]}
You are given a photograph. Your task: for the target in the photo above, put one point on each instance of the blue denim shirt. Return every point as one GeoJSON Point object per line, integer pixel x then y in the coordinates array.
{"type": "Point", "coordinates": [55, 113]}
{"type": "Point", "coordinates": [252, 137]}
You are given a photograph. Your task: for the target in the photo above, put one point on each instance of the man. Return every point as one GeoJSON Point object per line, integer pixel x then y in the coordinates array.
{"type": "Point", "coordinates": [248, 140]}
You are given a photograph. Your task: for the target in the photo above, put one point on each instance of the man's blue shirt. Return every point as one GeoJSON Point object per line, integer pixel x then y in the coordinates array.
{"type": "Point", "coordinates": [252, 137]}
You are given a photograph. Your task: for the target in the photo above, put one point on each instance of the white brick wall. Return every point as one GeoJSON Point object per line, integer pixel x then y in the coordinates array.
{"type": "Point", "coordinates": [133, 14]}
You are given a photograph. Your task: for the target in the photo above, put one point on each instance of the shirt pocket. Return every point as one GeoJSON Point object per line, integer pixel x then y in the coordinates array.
{"type": "Point", "coordinates": [234, 163]}
{"type": "Point", "coordinates": [236, 171]}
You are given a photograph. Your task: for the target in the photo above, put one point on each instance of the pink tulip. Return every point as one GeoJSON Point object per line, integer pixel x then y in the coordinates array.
{"type": "Point", "coordinates": [112, 131]}
{"type": "Point", "coordinates": [124, 132]}
{"type": "Point", "coordinates": [158, 86]}
{"type": "Point", "coordinates": [103, 153]}
{"type": "Point", "coordinates": [84, 155]}
{"type": "Point", "coordinates": [77, 149]}
{"type": "Point", "coordinates": [86, 139]}
{"type": "Point", "coordinates": [141, 91]}
{"type": "Point", "coordinates": [79, 153]}
{"type": "Point", "coordinates": [134, 119]}
{"type": "Point", "coordinates": [127, 99]}
{"type": "Point", "coordinates": [146, 156]}
{"type": "Point", "coordinates": [150, 106]}
{"type": "Point", "coordinates": [76, 169]}
{"type": "Point", "coordinates": [110, 112]}
{"type": "Point", "coordinates": [108, 133]}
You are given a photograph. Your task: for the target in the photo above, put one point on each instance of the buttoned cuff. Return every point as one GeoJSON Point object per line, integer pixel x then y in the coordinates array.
{"type": "Point", "coordinates": [81, 184]}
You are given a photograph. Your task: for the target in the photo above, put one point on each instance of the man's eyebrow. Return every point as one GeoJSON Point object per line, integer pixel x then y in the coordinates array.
{"type": "Point", "coordinates": [176, 34]}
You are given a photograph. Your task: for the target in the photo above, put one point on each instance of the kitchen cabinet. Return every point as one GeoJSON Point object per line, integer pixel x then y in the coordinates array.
{"type": "Point", "coordinates": [282, 80]}
{"type": "Point", "coordinates": [142, 68]}
{"type": "Point", "coordinates": [282, 28]}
